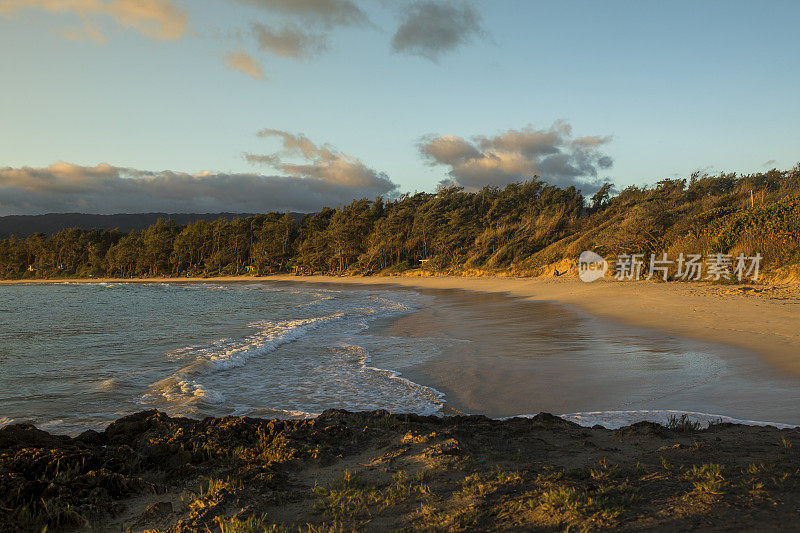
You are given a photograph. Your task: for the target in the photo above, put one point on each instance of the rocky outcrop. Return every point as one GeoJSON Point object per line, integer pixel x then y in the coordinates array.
{"type": "Point", "coordinates": [377, 471]}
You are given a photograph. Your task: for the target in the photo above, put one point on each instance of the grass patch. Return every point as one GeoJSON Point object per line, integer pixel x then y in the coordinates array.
{"type": "Point", "coordinates": [351, 497]}
{"type": "Point", "coordinates": [480, 485]}
{"type": "Point", "coordinates": [682, 423]}
{"type": "Point", "coordinates": [347, 497]}
{"type": "Point", "coordinates": [603, 471]}
{"type": "Point", "coordinates": [212, 491]}
{"type": "Point", "coordinates": [706, 479]}
{"type": "Point", "coordinates": [428, 517]}
{"type": "Point", "coordinates": [253, 524]}
{"type": "Point", "coordinates": [275, 449]}
{"type": "Point", "coordinates": [261, 524]}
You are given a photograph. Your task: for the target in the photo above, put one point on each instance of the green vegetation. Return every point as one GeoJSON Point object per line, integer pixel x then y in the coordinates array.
{"type": "Point", "coordinates": [518, 229]}
{"type": "Point", "coordinates": [351, 497]}
{"type": "Point", "coordinates": [682, 423]}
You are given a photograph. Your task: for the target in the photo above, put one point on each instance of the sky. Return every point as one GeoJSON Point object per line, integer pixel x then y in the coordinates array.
{"type": "Point", "coordinates": [257, 105]}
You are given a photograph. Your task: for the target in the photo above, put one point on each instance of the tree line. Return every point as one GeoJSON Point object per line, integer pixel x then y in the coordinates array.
{"type": "Point", "coordinates": [519, 228]}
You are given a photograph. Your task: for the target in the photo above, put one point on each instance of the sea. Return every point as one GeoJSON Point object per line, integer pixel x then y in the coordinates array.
{"type": "Point", "coordinates": [76, 356]}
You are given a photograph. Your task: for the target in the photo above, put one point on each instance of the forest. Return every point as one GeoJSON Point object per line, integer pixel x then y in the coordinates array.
{"type": "Point", "coordinates": [519, 229]}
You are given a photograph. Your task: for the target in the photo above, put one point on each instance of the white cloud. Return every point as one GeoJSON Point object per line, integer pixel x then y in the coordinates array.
{"type": "Point", "coordinates": [322, 163]}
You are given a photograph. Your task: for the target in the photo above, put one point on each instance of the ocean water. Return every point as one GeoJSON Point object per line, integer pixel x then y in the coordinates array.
{"type": "Point", "coordinates": [77, 356]}
{"type": "Point", "coordinates": [74, 356]}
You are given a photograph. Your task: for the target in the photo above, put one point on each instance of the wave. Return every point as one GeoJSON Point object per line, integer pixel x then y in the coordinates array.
{"type": "Point", "coordinates": [206, 287]}
{"type": "Point", "coordinates": [182, 386]}
{"type": "Point", "coordinates": [187, 392]}
{"type": "Point", "coordinates": [107, 385]}
{"type": "Point", "coordinates": [294, 414]}
{"type": "Point", "coordinates": [430, 396]}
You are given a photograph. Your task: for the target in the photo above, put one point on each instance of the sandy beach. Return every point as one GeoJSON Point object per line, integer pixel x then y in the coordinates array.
{"type": "Point", "coordinates": [764, 320]}
{"type": "Point", "coordinates": [760, 318]}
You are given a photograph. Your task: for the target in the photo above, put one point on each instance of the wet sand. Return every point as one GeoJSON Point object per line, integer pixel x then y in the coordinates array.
{"type": "Point", "coordinates": [512, 356]}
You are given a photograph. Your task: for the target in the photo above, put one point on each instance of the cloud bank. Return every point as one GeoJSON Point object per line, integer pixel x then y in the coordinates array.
{"type": "Point", "coordinates": [430, 28]}
{"type": "Point", "coordinates": [552, 154]}
{"type": "Point", "coordinates": [323, 177]}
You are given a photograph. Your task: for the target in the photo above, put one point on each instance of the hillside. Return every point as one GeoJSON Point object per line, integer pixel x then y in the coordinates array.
{"type": "Point", "coordinates": [522, 229]}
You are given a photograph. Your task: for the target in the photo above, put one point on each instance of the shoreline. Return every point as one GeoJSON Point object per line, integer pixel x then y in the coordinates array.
{"type": "Point", "coordinates": [760, 319]}
{"type": "Point", "coordinates": [375, 471]}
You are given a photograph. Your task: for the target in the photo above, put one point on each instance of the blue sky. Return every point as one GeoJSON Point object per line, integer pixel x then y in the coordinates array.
{"type": "Point", "coordinates": [670, 87]}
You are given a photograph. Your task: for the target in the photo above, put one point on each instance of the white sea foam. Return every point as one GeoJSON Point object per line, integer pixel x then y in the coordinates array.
{"type": "Point", "coordinates": [366, 387]}
{"type": "Point", "coordinates": [345, 377]}
{"type": "Point", "coordinates": [294, 414]}
{"type": "Point", "coordinates": [435, 397]}
{"type": "Point", "coordinates": [297, 385]}
{"type": "Point", "coordinates": [189, 391]}
{"type": "Point", "coordinates": [51, 425]}
{"type": "Point", "coordinates": [107, 385]}
{"type": "Point", "coordinates": [183, 387]}
{"type": "Point", "coordinates": [618, 419]}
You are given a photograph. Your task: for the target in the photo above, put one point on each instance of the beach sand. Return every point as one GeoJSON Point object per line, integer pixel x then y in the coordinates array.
{"type": "Point", "coordinates": [501, 356]}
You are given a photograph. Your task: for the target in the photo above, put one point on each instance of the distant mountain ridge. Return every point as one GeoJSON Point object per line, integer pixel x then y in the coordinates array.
{"type": "Point", "coordinates": [24, 225]}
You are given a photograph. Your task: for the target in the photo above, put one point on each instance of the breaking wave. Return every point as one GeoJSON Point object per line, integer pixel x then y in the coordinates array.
{"type": "Point", "coordinates": [183, 387]}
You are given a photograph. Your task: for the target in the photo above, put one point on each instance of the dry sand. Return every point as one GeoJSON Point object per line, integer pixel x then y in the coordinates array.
{"type": "Point", "coordinates": [762, 319]}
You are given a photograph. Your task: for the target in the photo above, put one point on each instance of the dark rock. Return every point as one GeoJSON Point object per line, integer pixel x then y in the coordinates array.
{"type": "Point", "coordinates": [90, 437]}
{"type": "Point", "coordinates": [550, 421]}
{"type": "Point", "coordinates": [26, 435]}
{"type": "Point", "coordinates": [643, 428]}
